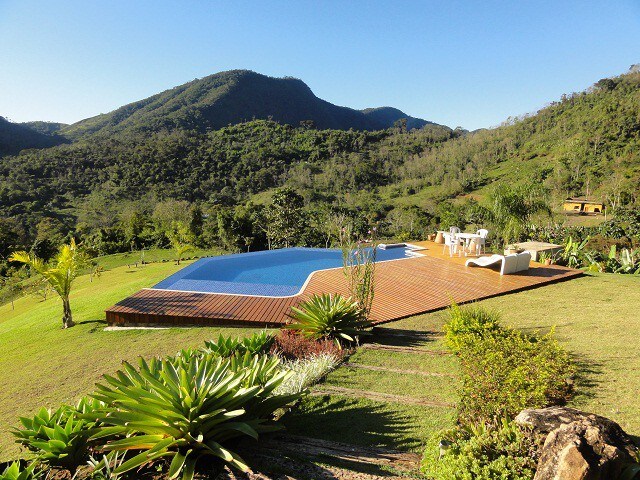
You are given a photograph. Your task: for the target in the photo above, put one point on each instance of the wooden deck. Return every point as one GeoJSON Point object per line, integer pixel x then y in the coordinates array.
{"type": "Point", "coordinates": [403, 288]}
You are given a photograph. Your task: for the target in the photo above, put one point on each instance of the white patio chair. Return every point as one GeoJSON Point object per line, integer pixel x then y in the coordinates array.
{"type": "Point", "coordinates": [482, 241]}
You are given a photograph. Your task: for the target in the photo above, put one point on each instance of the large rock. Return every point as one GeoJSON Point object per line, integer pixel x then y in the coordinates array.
{"type": "Point", "coordinates": [578, 445]}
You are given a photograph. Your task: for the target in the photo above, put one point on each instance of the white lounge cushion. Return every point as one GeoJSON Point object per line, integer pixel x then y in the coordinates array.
{"type": "Point", "coordinates": [509, 264]}
{"type": "Point", "coordinates": [524, 259]}
{"type": "Point", "coordinates": [485, 261]}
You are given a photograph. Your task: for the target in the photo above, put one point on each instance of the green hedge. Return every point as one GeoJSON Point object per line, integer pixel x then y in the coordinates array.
{"type": "Point", "coordinates": [504, 370]}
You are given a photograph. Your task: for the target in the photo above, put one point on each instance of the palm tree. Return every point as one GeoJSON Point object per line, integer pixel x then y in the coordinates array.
{"type": "Point", "coordinates": [180, 239]}
{"type": "Point", "coordinates": [512, 209]}
{"type": "Point", "coordinates": [59, 273]}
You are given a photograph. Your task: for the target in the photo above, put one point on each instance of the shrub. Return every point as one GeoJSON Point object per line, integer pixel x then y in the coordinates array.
{"type": "Point", "coordinates": [503, 370]}
{"type": "Point", "coordinates": [227, 346]}
{"type": "Point", "coordinates": [60, 438]}
{"type": "Point", "coordinates": [504, 452]}
{"type": "Point", "coordinates": [291, 346]}
{"type": "Point", "coordinates": [190, 406]}
{"type": "Point", "coordinates": [329, 316]}
{"type": "Point", "coordinates": [16, 472]}
{"type": "Point", "coordinates": [467, 321]}
{"type": "Point", "coordinates": [308, 371]}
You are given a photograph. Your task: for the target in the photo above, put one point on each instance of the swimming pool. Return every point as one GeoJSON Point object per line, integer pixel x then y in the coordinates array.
{"type": "Point", "coordinates": [272, 273]}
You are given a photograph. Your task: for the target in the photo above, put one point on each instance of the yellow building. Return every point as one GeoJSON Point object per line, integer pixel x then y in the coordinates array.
{"type": "Point", "coordinates": [582, 205]}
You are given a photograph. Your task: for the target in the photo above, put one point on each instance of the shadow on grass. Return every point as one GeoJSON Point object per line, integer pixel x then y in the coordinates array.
{"type": "Point", "coordinates": [352, 421]}
{"type": "Point", "coordinates": [98, 324]}
{"type": "Point", "coordinates": [398, 337]}
{"type": "Point", "coordinates": [588, 377]}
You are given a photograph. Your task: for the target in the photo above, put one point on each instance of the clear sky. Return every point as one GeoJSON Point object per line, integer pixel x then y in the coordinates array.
{"type": "Point", "coordinates": [468, 63]}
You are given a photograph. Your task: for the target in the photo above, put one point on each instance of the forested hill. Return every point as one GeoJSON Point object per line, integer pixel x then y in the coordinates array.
{"type": "Point", "coordinates": [586, 143]}
{"type": "Point", "coordinates": [388, 116]}
{"type": "Point", "coordinates": [15, 137]}
{"type": "Point", "coordinates": [228, 98]}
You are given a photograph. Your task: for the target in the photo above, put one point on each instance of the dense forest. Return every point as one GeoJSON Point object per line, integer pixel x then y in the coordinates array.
{"type": "Point", "coordinates": [128, 189]}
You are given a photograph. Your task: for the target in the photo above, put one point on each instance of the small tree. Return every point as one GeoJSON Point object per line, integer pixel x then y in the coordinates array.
{"type": "Point", "coordinates": [180, 239]}
{"type": "Point", "coordinates": [10, 288]}
{"type": "Point", "coordinates": [512, 209]}
{"type": "Point", "coordinates": [359, 265]}
{"type": "Point", "coordinates": [63, 269]}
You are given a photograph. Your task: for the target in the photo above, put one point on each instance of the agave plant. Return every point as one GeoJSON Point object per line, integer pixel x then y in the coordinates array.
{"type": "Point", "coordinates": [60, 438]}
{"type": "Point", "coordinates": [186, 407]}
{"type": "Point", "coordinates": [16, 472]}
{"type": "Point", "coordinates": [329, 316]}
{"type": "Point", "coordinates": [104, 469]}
{"type": "Point", "coordinates": [228, 346]}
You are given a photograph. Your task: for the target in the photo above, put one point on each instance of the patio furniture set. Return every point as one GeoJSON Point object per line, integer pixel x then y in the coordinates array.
{"type": "Point", "coordinates": [462, 243]}
{"type": "Point", "coordinates": [474, 244]}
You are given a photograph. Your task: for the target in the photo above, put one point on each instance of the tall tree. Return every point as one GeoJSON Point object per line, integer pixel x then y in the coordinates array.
{"type": "Point", "coordinates": [285, 218]}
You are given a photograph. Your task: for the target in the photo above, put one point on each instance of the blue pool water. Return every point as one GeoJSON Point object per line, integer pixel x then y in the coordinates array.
{"type": "Point", "coordinates": [273, 273]}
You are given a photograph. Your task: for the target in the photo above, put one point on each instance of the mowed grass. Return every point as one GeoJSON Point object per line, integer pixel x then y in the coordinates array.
{"type": "Point", "coordinates": [43, 365]}
{"type": "Point", "coordinates": [596, 317]}
{"type": "Point", "coordinates": [424, 373]}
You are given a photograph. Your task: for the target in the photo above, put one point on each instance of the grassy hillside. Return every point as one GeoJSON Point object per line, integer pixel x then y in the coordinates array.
{"type": "Point", "coordinates": [584, 144]}
{"type": "Point", "coordinates": [594, 317]}
{"type": "Point", "coordinates": [41, 364]}
{"type": "Point", "coordinates": [229, 98]}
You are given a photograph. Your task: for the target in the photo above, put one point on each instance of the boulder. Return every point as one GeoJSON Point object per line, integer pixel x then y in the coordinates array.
{"type": "Point", "coordinates": [578, 445]}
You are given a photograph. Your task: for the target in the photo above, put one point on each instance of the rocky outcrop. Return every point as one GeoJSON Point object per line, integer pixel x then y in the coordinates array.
{"type": "Point", "coordinates": [578, 445]}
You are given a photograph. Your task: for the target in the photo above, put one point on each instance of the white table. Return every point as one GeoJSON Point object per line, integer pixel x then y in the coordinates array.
{"type": "Point", "coordinates": [467, 237]}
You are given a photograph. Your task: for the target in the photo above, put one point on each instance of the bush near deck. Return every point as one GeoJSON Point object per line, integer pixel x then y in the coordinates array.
{"type": "Point", "coordinates": [505, 370]}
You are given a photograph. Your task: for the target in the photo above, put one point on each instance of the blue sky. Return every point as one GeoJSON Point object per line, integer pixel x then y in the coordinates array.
{"type": "Point", "coordinates": [470, 63]}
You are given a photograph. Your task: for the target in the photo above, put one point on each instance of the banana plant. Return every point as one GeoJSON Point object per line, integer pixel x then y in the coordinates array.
{"type": "Point", "coordinates": [187, 407]}
{"type": "Point", "coordinates": [573, 253]}
{"type": "Point", "coordinates": [629, 262]}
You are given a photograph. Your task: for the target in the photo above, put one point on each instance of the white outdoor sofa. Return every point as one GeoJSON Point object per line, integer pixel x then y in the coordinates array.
{"type": "Point", "coordinates": [509, 264]}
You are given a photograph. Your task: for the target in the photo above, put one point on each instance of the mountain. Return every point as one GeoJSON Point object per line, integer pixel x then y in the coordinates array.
{"type": "Point", "coordinates": [46, 128]}
{"type": "Point", "coordinates": [586, 143]}
{"type": "Point", "coordinates": [389, 115]}
{"type": "Point", "coordinates": [232, 97]}
{"type": "Point", "coordinates": [15, 137]}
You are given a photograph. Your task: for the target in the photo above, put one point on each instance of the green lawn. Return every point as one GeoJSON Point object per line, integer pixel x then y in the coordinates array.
{"type": "Point", "coordinates": [43, 365]}
{"type": "Point", "coordinates": [595, 318]}
{"type": "Point", "coordinates": [153, 255]}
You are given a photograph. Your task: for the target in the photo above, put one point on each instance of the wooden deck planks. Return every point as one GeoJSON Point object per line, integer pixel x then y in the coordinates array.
{"type": "Point", "coordinates": [403, 288]}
